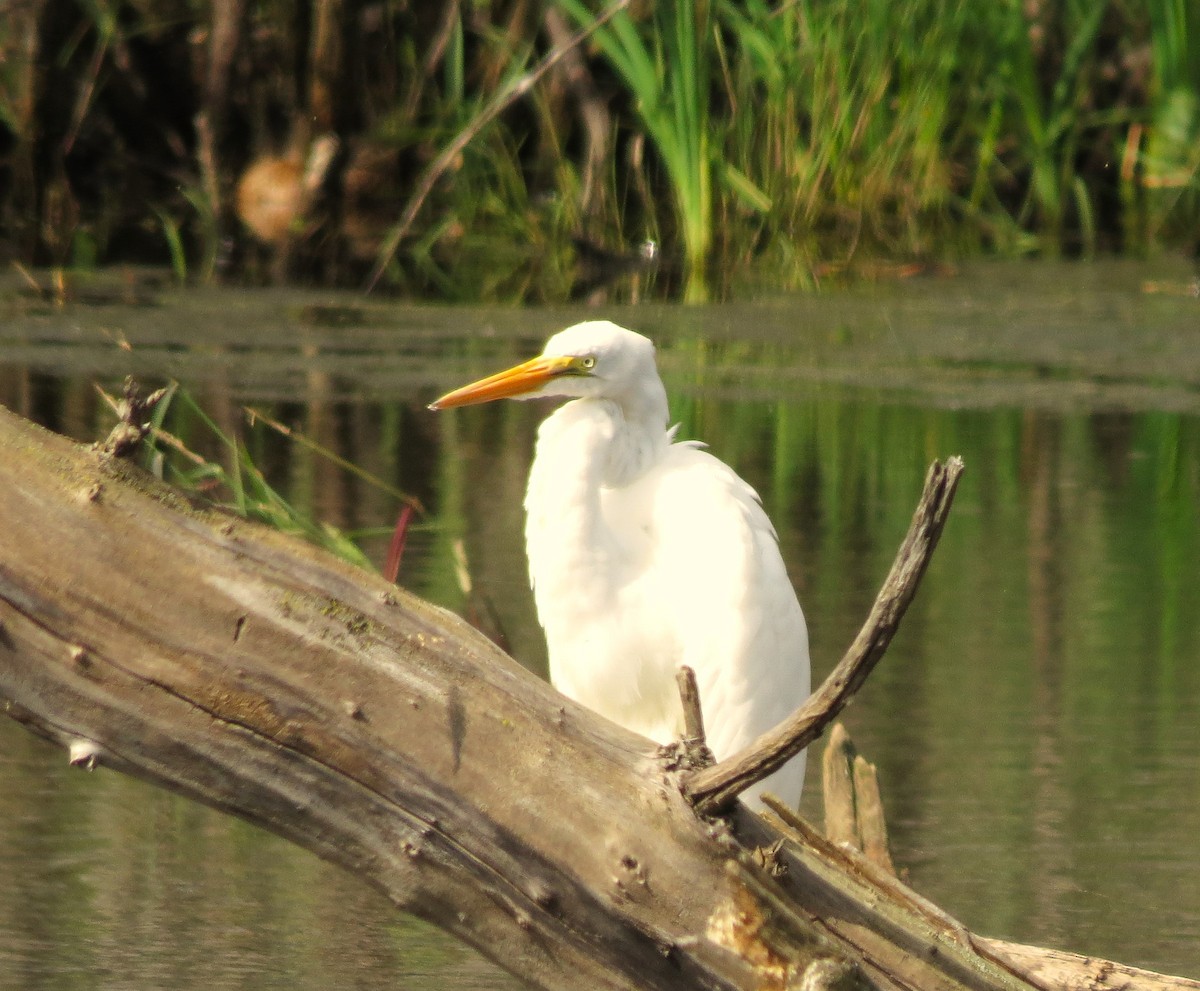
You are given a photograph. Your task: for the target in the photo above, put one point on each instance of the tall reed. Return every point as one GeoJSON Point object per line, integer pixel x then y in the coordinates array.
{"type": "Point", "coordinates": [842, 114]}
{"type": "Point", "coordinates": [784, 137]}
{"type": "Point", "coordinates": [1172, 156]}
{"type": "Point", "coordinates": [666, 64]}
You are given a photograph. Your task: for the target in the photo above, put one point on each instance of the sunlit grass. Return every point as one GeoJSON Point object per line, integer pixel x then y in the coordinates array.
{"type": "Point", "coordinates": [237, 483]}
{"type": "Point", "coordinates": [666, 65]}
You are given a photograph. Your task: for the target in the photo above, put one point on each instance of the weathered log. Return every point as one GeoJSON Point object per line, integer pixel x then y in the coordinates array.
{"type": "Point", "coordinates": [854, 821]}
{"type": "Point", "coordinates": [260, 676]}
{"type": "Point", "coordinates": [1073, 972]}
{"type": "Point", "coordinates": [853, 806]}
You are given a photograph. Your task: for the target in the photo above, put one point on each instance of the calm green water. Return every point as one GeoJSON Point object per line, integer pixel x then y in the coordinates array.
{"type": "Point", "coordinates": [1035, 725]}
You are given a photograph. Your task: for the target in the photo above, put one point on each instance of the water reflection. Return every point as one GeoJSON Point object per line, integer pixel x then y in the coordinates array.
{"type": "Point", "coordinates": [1033, 726]}
{"type": "Point", "coordinates": [113, 884]}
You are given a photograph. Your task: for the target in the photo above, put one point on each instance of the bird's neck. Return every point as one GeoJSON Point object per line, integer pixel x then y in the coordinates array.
{"type": "Point", "coordinates": [638, 432]}
{"type": "Point", "coordinates": [585, 447]}
{"type": "Point", "coordinates": [590, 444]}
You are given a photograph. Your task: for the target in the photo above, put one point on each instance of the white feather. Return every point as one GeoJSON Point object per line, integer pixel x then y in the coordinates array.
{"type": "Point", "coordinates": [646, 554]}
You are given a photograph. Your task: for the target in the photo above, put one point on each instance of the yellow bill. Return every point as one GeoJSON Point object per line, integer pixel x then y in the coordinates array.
{"type": "Point", "coordinates": [521, 380]}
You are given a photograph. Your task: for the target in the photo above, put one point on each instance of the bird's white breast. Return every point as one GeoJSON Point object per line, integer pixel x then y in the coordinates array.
{"type": "Point", "coordinates": [677, 565]}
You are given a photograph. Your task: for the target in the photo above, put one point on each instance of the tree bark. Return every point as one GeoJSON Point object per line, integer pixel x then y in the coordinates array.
{"type": "Point", "coordinates": [256, 674]}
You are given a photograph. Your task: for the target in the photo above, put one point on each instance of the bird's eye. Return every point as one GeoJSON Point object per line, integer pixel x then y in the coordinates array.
{"type": "Point", "coordinates": [588, 362]}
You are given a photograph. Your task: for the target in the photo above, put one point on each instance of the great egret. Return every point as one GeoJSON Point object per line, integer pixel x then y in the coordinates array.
{"type": "Point", "coordinates": [646, 553]}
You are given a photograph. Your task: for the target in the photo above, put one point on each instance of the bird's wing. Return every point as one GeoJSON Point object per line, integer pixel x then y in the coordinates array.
{"type": "Point", "coordinates": [715, 564]}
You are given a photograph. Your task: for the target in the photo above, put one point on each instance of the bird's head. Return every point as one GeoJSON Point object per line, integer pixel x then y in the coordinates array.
{"type": "Point", "coordinates": [593, 359]}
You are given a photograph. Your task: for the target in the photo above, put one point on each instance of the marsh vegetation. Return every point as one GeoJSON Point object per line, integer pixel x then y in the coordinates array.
{"type": "Point", "coordinates": [521, 151]}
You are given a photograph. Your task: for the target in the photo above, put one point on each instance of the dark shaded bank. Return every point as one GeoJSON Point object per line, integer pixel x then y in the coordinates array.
{"type": "Point", "coordinates": [777, 142]}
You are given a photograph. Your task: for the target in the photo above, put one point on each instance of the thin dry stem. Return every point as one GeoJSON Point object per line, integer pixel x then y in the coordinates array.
{"type": "Point", "coordinates": [689, 696]}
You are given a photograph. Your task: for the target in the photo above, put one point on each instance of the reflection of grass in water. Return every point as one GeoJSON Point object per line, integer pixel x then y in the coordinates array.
{"type": "Point", "coordinates": [1162, 492]}
{"type": "Point", "coordinates": [839, 473]}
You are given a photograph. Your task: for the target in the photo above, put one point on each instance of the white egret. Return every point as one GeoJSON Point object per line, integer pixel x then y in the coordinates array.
{"type": "Point", "coordinates": [646, 553]}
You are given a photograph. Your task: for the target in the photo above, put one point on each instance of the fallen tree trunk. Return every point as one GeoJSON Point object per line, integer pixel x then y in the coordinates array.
{"type": "Point", "coordinates": [856, 828]}
{"type": "Point", "coordinates": [254, 673]}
